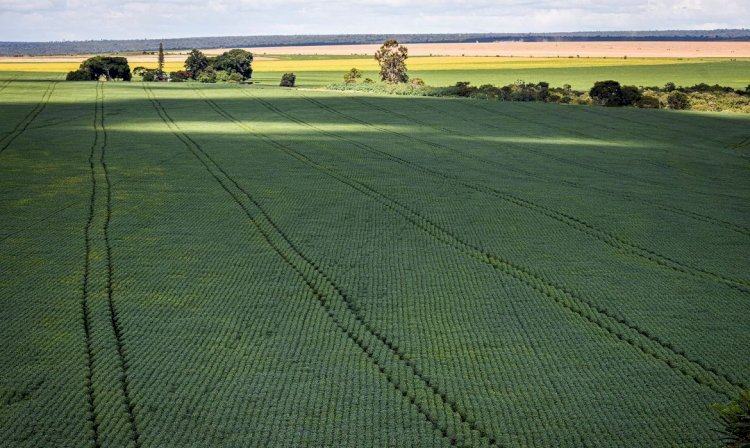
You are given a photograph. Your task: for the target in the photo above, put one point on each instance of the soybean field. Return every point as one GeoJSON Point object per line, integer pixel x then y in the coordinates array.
{"type": "Point", "coordinates": [222, 265]}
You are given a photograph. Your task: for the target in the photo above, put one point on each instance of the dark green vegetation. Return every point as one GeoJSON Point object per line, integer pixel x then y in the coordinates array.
{"type": "Point", "coordinates": [138, 45]}
{"type": "Point", "coordinates": [391, 58]}
{"type": "Point", "coordinates": [736, 418]}
{"type": "Point", "coordinates": [288, 80]}
{"type": "Point", "coordinates": [203, 265]}
{"type": "Point", "coordinates": [604, 93]}
{"type": "Point", "coordinates": [107, 67]}
{"type": "Point", "coordinates": [233, 66]}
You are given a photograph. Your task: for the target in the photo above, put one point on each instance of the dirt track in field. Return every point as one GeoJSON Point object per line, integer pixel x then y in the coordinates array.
{"type": "Point", "coordinates": [540, 49]}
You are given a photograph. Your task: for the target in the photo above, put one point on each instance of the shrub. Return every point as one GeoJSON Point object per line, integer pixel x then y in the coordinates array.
{"type": "Point", "coordinates": [352, 75]}
{"type": "Point", "coordinates": [648, 102]}
{"type": "Point", "coordinates": [235, 77]}
{"type": "Point", "coordinates": [416, 81]}
{"type": "Point", "coordinates": [736, 418]}
{"type": "Point", "coordinates": [288, 80]}
{"type": "Point", "coordinates": [490, 92]}
{"type": "Point", "coordinates": [368, 81]}
{"type": "Point", "coordinates": [606, 93]}
{"type": "Point", "coordinates": [78, 75]}
{"type": "Point", "coordinates": [207, 76]}
{"type": "Point", "coordinates": [222, 76]}
{"type": "Point", "coordinates": [669, 87]}
{"type": "Point", "coordinates": [678, 100]}
{"type": "Point", "coordinates": [179, 76]}
{"type": "Point", "coordinates": [630, 95]}
{"type": "Point", "coordinates": [584, 100]}
{"type": "Point", "coordinates": [461, 89]}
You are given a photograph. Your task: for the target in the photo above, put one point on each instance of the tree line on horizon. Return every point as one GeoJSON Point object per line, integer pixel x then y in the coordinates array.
{"type": "Point", "coordinates": [150, 45]}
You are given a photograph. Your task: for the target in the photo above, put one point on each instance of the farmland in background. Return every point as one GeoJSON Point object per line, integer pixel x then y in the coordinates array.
{"type": "Point", "coordinates": [580, 73]}
{"type": "Point", "coordinates": [202, 265]}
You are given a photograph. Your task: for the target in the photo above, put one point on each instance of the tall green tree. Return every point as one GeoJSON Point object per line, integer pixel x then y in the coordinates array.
{"type": "Point", "coordinates": [352, 75]}
{"type": "Point", "coordinates": [160, 70]}
{"type": "Point", "coordinates": [196, 63]}
{"type": "Point", "coordinates": [392, 60]}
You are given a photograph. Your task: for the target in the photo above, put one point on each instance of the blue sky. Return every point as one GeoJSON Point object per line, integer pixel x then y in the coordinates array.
{"type": "Point", "coordinates": [42, 20]}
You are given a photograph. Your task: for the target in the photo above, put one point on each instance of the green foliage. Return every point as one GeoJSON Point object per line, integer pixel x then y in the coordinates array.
{"type": "Point", "coordinates": [235, 77]}
{"type": "Point", "coordinates": [606, 93]}
{"type": "Point", "coordinates": [288, 80]}
{"type": "Point", "coordinates": [630, 95]}
{"type": "Point", "coordinates": [78, 75]}
{"type": "Point", "coordinates": [352, 75]}
{"type": "Point", "coordinates": [195, 63]}
{"type": "Point", "coordinates": [109, 67]}
{"type": "Point", "coordinates": [221, 76]}
{"type": "Point", "coordinates": [179, 76]}
{"type": "Point", "coordinates": [678, 100]}
{"type": "Point", "coordinates": [160, 75]}
{"type": "Point", "coordinates": [735, 417]}
{"type": "Point", "coordinates": [148, 74]}
{"type": "Point", "coordinates": [392, 60]}
{"type": "Point", "coordinates": [208, 76]}
{"type": "Point", "coordinates": [234, 61]}
{"type": "Point", "coordinates": [648, 102]}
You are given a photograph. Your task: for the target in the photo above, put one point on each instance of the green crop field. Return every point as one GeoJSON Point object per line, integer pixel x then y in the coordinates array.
{"type": "Point", "coordinates": [216, 265]}
{"type": "Point", "coordinates": [322, 70]}
{"type": "Point", "coordinates": [731, 73]}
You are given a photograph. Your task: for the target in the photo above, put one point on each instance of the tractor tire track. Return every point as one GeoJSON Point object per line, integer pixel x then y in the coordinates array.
{"type": "Point", "coordinates": [29, 118]}
{"type": "Point", "coordinates": [340, 308]}
{"type": "Point", "coordinates": [666, 345]}
{"type": "Point", "coordinates": [5, 84]}
{"type": "Point", "coordinates": [617, 326]}
{"type": "Point", "coordinates": [101, 324]}
{"type": "Point", "coordinates": [611, 239]}
{"type": "Point", "coordinates": [89, 382]}
{"type": "Point", "coordinates": [114, 317]}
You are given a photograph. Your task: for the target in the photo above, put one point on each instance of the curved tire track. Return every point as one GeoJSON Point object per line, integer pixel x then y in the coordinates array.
{"type": "Point", "coordinates": [384, 354]}
{"type": "Point", "coordinates": [618, 327]}
{"type": "Point", "coordinates": [6, 141]}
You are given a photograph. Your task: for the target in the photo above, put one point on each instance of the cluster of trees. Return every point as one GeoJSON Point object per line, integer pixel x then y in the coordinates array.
{"type": "Point", "coordinates": [235, 65]}
{"type": "Point", "coordinates": [610, 93]}
{"type": "Point", "coordinates": [605, 93]}
{"type": "Point", "coordinates": [109, 67]}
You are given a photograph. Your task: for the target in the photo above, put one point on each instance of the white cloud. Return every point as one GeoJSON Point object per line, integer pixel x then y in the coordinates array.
{"type": "Point", "coordinates": [119, 19]}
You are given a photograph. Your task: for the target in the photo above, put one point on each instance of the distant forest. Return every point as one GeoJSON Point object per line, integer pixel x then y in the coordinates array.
{"type": "Point", "coordinates": [139, 45]}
